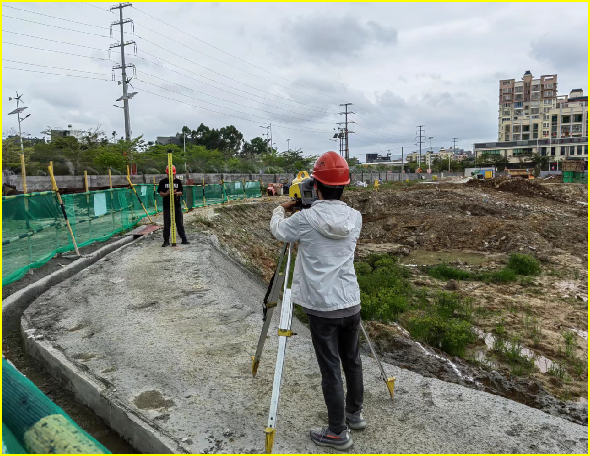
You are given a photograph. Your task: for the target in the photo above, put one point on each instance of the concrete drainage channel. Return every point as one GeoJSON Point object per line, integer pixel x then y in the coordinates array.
{"type": "Point", "coordinates": [84, 387]}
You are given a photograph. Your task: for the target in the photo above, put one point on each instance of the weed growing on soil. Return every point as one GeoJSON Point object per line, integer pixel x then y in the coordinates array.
{"type": "Point", "coordinates": [523, 264]}
{"type": "Point", "coordinates": [445, 272]}
{"type": "Point", "coordinates": [510, 350]}
{"type": "Point", "coordinates": [569, 338]}
{"type": "Point", "coordinates": [442, 320]}
{"type": "Point", "coordinates": [532, 329]}
{"type": "Point", "coordinates": [579, 366]}
{"type": "Point", "coordinates": [558, 370]}
{"type": "Point", "coordinates": [502, 276]}
{"type": "Point", "coordinates": [203, 221]}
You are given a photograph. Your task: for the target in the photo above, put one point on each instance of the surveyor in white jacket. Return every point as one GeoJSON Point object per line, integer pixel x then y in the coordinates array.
{"type": "Point", "coordinates": [325, 285]}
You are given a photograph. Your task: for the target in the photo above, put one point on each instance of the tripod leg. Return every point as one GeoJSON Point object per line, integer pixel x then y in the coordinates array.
{"type": "Point", "coordinates": [389, 381]}
{"type": "Point", "coordinates": [284, 332]}
{"type": "Point", "coordinates": [270, 301]}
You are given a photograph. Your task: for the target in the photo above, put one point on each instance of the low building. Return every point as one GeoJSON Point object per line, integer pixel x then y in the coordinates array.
{"type": "Point", "coordinates": [176, 140]}
{"type": "Point", "coordinates": [523, 151]}
{"type": "Point", "coordinates": [376, 158]}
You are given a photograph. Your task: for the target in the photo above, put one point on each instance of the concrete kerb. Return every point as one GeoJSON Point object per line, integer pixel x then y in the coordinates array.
{"type": "Point", "coordinates": [90, 391]}
{"type": "Point", "coordinates": [99, 396]}
{"type": "Point", "coordinates": [17, 302]}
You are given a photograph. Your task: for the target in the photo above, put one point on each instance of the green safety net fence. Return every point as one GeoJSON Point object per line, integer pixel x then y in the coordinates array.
{"type": "Point", "coordinates": [234, 191]}
{"type": "Point", "coordinates": [214, 194]}
{"type": "Point", "coordinates": [32, 424]}
{"type": "Point", "coordinates": [252, 189]}
{"type": "Point", "coordinates": [575, 177]}
{"type": "Point", "coordinates": [34, 230]}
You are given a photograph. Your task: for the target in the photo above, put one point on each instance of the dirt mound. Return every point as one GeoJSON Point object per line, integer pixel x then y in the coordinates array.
{"type": "Point", "coordinates": [563, 193]}
{"type": "Point", "coordinates": [519, 186]}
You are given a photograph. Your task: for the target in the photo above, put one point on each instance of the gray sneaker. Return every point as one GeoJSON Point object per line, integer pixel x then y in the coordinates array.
{"type": "Point", "coordinates": [325, 437]}
{"type": "Point", "coordinates": [356, 421]}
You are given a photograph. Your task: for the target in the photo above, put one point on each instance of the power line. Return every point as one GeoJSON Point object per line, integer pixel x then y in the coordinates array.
{"type": "Point", "coordinates": [234, 116]}
{"type": "Point", "coordinates": [202, 66]}
{"type": "Point", "coordinates": [4, 5]}
{"type": "Point", "coordinates": [230, 101]}
{"type": "Point", "coordinates": [94, 6]}
{"type": "Point", "coordinates": [231, 55]}
{"type": "Point", "coordinates": [56, 74]}
{"type": "Point", "coordinates": [223, 107]}
{"type": "Point", "coordinates": [55, 26]}
{"type": "Point", "coordinates": [54, 41]}
{"type": "Point", "coordinates": [45, 66]}
{"type": "Point", "coordinates": [58, 52]}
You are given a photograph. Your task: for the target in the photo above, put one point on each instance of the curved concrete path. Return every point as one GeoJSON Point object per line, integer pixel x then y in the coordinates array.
{"type": "Point", "coordinates": [158, 341]}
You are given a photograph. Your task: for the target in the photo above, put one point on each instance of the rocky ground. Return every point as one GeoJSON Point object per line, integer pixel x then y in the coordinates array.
{"type": "Point", "coordinates": [474, 226]}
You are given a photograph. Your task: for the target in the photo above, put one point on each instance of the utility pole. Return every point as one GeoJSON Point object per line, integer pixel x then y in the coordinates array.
{"type": "Point", "coordinates": [403, 170]}
{"type": "Point", "coordinates": [420, 137]}
{"type": "Point", "coordinates": [454, 151]}
{"type": "Point", "coordinates": [288, 147]}
{"type": "Point", "coordinates": [18, 112]}
{"type": "Point", "coordinates": [346, 113]}
{"type": "Point", "coordinates": [125, 98]}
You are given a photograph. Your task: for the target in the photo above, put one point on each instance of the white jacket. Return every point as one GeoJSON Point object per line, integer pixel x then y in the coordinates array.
{"type": "Point", "coordinates": [324, 277]}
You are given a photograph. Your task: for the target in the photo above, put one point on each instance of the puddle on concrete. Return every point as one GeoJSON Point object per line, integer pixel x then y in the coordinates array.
{"type": "Point", "coordinates": [422, 257]}
{"type": "Point", "coordinates": [149, 400]}
{"type": "Point", "coordinates": [542, 363]}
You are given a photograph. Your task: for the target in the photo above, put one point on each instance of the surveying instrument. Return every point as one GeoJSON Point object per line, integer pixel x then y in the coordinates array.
{"type": "Point", "coordinates": [172, 198]}
{"type": "Point", "coordinates": [279, 280]}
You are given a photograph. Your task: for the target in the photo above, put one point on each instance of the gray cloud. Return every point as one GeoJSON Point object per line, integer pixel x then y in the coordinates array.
{"type": "Point", "coordinates": [331, 38]}
{"type": "Point", "coordinates": [561, 50]}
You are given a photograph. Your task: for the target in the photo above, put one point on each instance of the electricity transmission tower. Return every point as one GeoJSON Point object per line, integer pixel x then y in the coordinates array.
{"type": "Point", "coordinates": [346, 131]}
{"type": "Point", "coordinates": [420, 137]}
{"type": "Point", "coordinates": [123, 66]}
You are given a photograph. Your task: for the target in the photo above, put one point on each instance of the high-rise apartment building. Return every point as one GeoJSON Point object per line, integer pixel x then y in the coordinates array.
{"type": "Point", "coordinates": [523, 106]}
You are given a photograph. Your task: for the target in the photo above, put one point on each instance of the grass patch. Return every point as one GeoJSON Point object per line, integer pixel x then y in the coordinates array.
{"type": "Point", "coordinates": [445, 272]}
{"type": "Point", "coordinates": [510, 350]}
{"type": "Point", "coordinates": [440, 319]}
{"type": "Point", "coordinates": [525, 265]}
{"type": "Point", "coordinates": [502, 276]}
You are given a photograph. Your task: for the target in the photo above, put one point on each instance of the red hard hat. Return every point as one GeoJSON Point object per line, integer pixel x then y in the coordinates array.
{"type": "Point", "coordinates": [331, 169]}
{"type": "Point", "coordinates": [173, 169]}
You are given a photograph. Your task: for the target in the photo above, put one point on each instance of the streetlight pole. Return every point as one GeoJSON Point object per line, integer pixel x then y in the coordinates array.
{"type": "Point", "coordinates": [288, 147]}
{"type": "Point", "coordinates": [18, 112]}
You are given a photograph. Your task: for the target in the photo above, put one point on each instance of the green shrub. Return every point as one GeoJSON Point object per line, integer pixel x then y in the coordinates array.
{"type": "Point", "coordinates": [524, 264]}
{"type": "Point", "coordinates": [362, 268]}
{"type": "Point", "coordinates": [451, 336]}
{"type": "Point", "coordinates": [502, 276]}
{"type": "Point", "coordinates": [446, 272]}
{"type": "Point", "coordinates": [385, 305]}
{"type": "Point", "coordinates": [383, 258]}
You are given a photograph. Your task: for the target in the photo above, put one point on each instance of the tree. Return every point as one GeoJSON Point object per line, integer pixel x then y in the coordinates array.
{"type": "Point", "coordinates": [256, 148]}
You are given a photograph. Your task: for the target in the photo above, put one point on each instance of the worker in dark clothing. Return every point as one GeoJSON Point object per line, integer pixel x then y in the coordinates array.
{"type": "Point", "coordinates": [164, 191]}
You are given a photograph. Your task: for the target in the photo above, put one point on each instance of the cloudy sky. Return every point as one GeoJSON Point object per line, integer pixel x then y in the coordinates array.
{"type": "Point", "coordinates": [291, 65]}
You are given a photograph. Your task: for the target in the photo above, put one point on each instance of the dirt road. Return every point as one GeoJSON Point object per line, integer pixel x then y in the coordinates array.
{"type": "Point", "coordinates": [169, 333]}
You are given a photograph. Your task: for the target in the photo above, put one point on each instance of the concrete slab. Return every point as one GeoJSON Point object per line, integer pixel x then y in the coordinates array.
{"type": "Point", "coordinates": [161, 339]}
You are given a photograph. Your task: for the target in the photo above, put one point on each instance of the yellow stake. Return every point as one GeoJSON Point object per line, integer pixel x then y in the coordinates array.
{"type": "Point", "coordinates": [155, 201]}
{"type": "Point", "coordinates": [63, 208]}
{"type": "Point", "coordinates": [110, 179]}
{"type": "Point", "coordinates": [86, 180]}
{"type": "Point", "coordinates": [134, 191]}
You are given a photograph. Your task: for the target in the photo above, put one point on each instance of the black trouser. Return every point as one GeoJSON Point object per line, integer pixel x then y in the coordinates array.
{"type": "Point", "coordinates": [179, 226]}
{"type": "Point", "coordinates": [335, 340]}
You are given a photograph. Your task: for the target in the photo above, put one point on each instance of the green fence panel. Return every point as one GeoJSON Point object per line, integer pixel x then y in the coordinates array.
{"type": "Point", "coordinates": [214, 194]}
{"type": "Point", "coordinates": [38, 424]}
{"type": "Point", "coordinates": [252, 189]}
{"type": "Point", "coordinates": [147, 194]}
{"type": "Point", "coordinates": [198, 196]}
{"type": "Point", "coordinates": [234, 190]}
{"type": "Point", "coordinates": [33, 231]}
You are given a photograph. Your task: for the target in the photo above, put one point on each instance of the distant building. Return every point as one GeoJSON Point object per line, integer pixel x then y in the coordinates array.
{"type": "Point", "coordinates": [27, 141]}
{"type": "Point", "coordinates": [376, 158]}
{"type": "Point", "coordinates": [56, 133]}
{"type": "Point", "coordinates": [176, 140]}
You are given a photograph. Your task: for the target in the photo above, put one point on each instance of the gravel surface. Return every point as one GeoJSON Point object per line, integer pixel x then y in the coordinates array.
{"type": "Point", "coordinates": [172, 331]}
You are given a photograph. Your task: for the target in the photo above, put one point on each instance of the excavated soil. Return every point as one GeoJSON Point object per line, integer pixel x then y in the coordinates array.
{"type": "Point", "coordinates": [473, 226]}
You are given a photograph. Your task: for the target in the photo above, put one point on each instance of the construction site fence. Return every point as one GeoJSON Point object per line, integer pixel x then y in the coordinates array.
{"type": "Point", "coordinates": [33, 424]}
{"type": "Point", "coordinates": [34, 228]}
